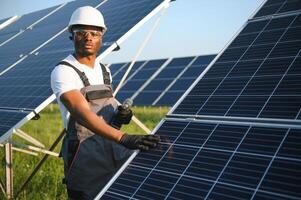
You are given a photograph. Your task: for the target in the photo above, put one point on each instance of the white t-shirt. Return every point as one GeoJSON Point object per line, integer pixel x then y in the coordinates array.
{"type": "Point", "coordinates": [65, 78]}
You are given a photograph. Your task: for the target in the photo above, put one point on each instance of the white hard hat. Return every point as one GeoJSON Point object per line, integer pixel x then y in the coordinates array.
{"type": "Point", "coordinates": [87, 15]}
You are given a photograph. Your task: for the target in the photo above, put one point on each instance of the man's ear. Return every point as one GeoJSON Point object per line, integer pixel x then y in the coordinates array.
{"type": "Point", "coordinates": [71, 37]}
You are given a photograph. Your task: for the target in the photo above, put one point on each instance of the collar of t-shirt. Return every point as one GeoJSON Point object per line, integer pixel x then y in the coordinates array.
{"type": "Point", "coordinates": [93, 74]}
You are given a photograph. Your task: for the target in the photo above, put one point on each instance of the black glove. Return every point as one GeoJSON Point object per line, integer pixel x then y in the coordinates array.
{"type": "Point", "coordinates": [123, 116]}
{"type": "Point", "coordinates": [141, 142]}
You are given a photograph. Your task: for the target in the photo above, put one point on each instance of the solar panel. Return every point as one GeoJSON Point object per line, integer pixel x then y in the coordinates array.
{"type": "Point", "coordinates": [139, 78]}
{"type": "Point", "coordinates": [161, 81]}
{"type": "Point", "coordinates": [236, 132]}
{"type": "Point", "coordinates": [255, 78]}
{"type": "Point", "coordinates": [279, 6]}
{"type": "Point", "coordinates": [115, 68]}
{"type": "Point", "coordinates": [177, 88]}
{"type": "Point", "coordinates": [31, 76]}
{"type": "Point", "coordinates": [24, 22]}
{"type": "Point", "coordinates": [117, 77]}
{"type": "Point", "coordinates": [197, 160]}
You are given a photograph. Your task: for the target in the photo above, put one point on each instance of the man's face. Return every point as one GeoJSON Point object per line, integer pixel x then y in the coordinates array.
{"type": "Point", "coordinates": [87, 39]}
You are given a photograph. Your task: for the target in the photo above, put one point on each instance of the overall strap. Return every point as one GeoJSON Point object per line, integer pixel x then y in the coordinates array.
{"type": "Point", "coordinates": [81, 74]}
{"type": "Point", "coordinates": [105, 74]}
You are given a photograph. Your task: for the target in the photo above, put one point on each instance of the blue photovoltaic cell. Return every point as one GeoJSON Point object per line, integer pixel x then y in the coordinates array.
{"type": "Point", "coordinates": [143, 75]}
{"type": "Point", "coordinates": [117, 77]}
{"type": "Point", "coordinates": [215, 161]}
{"type": "Point", "coordinates": [259, 79]}
{"type": "Point", "coordinates": [114, 68]}
{"type": "Point", "coordinates": [134, 83]}
{"type": "Point", "coordinates": [146, 97]}
{"type": "Point", "coordinates": [185, 80]}
{"type": "Point", "coordinates": [162, 80]}
{"type": "Point", "coordinates": [31, 82]}
{"type": "Point", "coordinates": [22, 23]}
{"type": "Point", "coordinates": [8, 120]}
{"type": "Point", "coordinates": [279, 6]}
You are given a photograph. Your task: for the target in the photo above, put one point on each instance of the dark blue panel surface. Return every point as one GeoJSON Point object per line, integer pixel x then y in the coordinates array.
{"type": "Point", "coordinates": [185, 80]}
{"type": "Point", "coordinates": [146, 97]}
{"type": "Point", "coordinates": [213, 161]}
{"type": "Point", "coordinates": [144, 73]}
{"type": "Point", "coordinates": [169, 98]}
{"type": "Point", "coordinates": [22, 23]}
{"type": "Point", "coordinates": [279, 6]}
{"type": "Point", "coordinates": [164, 79]}
{"type": "Point", "coordinates": [8, 120]}
{"type": "Point", "coordinates": [263, 80]}
{"type": "Point", "coordinates": [120, 73]}
{"type": "Point", "coordinates": [114, 68]}
{"type": "Point", "coordinates": [31, 82]}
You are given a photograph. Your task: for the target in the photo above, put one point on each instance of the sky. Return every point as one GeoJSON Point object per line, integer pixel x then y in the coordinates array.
{"type": "Point", "coordinates": [187, 27]}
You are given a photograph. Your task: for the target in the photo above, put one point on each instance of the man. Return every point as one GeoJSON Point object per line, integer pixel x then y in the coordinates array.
{"type": "Point", "coordinates": [92, 149]}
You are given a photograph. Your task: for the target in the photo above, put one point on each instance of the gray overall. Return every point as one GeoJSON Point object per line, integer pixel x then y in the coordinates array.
{"type": "Point", "coordinates": [90, 160]}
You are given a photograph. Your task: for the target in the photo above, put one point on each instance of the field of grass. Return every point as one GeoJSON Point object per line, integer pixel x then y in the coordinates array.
{"type": "Point", "coordinates": [47, 183]}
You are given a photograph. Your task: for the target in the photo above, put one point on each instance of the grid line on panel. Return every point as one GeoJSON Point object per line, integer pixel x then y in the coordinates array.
{"type": "Point", "coordinates": [242, 90]}
{"type": "Point", "coordinates": [232, 155]}
{"type": "Point", "coordinates": [230, 71]}
{"type": "Point", "coordinates": [153, 90]}
{"type": "Point", "coordinates": [174, 93]}
{"type": "Point", "coordinates": [271, 161]}
{"type": "Point", "coordinates": [150, 79]}
{"type": "Point", "coordinates": [221, 183]}
{"type": "Point", "coordinates": [277, 8]}
{"type": "Point", "coordinates": [14, 30]}
{"type": "Point", "coordinates": [278, 85]}
{"type": "Point", "coordinates": [156, 164]}
{"type": "Point", "coordinates": [118, 70]}
{"type": "Point", "coordinates": [174, 81]}
{"type": "Point", "coordinates": [242, 85]}
{"type": "Point", "coordinates": [131, 75]}
{"type": "Point", "coordinates": [184, 171]}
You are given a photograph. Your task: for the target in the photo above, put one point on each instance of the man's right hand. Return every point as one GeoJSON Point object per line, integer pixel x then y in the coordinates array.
{"type": "Point", "coordinates": [141, 142]}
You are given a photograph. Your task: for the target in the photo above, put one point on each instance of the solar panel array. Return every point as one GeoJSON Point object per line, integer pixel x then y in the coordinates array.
{"type": "Point", "coordinates": [158, 82]}
{"type": "Point", "coordinates": [236, 133]}
{"type": "Point", "coordinates": [28, 59]}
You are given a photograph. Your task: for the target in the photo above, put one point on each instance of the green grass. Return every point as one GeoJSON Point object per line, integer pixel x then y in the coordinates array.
{"type": "Point", "coordinates": [47, 183]}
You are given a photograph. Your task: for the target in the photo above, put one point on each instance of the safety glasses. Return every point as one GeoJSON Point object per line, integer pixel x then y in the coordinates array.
{"type": "Point", "coordinates": [79, 33]}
